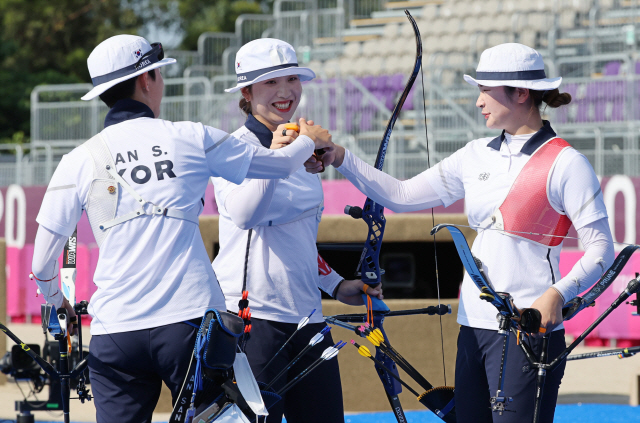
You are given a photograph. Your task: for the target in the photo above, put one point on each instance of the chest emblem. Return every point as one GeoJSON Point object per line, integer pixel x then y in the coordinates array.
{"type": "Point", "coordinates": [483, 176]}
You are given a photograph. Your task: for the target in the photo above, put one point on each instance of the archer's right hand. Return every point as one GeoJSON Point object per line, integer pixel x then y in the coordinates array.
{"type": "Point", "coordinates": [320, 136]}
{"type": "Point", "coordinates": [72, 318]}
{"type": "Point", "coordinates": [279, 140]}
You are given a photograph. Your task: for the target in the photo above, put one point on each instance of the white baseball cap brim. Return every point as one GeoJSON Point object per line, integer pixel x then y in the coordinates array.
{"type": "Point", "coordinates": [99, 89]}
{"type": "Point", "coordinates": [305, 74]}
{"type": "Point", "coordinates": [538, 84]}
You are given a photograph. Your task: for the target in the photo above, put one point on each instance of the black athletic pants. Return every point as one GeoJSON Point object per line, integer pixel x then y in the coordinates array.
{"type": "Point", "coordinates": [477, 374]}
{"type": "Point", "coordinates": [318, 397]}
{"type": "Point", "coordinates": [127, 370]}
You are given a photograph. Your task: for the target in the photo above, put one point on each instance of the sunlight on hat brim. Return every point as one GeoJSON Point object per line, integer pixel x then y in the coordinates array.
{"type": "Point", "coordinates": [96, 91]}
{"type": "Point", "coordinates": [539, 84]}
{"type": "Point", "coordinates": [305, 74]}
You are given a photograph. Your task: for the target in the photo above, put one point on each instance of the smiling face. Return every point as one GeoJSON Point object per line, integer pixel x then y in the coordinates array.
{"type": "Point", "coordinates": [496, 106]}
{"type": "Point", "coordinates": [274, 101]}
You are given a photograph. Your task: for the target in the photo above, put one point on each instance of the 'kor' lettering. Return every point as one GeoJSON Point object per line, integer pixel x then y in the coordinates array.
{"type": "Point", "coordinates": [141, 174]}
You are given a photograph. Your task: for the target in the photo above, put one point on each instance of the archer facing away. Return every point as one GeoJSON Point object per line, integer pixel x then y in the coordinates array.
{"type": "Point", "coordinates": [268, 230]}
{"type": "Point", "coordinates": [153, 275]}
{"type": "Point", "coordinates": [526, 180]}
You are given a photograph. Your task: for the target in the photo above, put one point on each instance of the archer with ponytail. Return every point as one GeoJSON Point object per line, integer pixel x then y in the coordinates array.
{"type": "Point", "coordinates": [268, 231]}
{"type": "Point", "coordinates": [523, 190]}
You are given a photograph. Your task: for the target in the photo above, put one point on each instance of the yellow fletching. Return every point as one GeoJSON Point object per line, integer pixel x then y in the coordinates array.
{"type": "Point", "coordinates": [379, 336]}
{"type": "Point", "coordinates": [364, 351]}
{"type": "Point", "coordinates": [373, 340]}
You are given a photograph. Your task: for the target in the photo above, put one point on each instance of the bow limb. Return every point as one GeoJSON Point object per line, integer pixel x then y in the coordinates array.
{"type": "Point", "coordinates": [373, 213]}
{"type": "Point", "coordinates": [569, 310]}
{"type": "Point", "coordinates": [369, 266]}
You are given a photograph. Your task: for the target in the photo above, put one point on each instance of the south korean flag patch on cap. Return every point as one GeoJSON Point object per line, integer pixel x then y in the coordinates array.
{"type": "Point", "coordinates": [138, 53]}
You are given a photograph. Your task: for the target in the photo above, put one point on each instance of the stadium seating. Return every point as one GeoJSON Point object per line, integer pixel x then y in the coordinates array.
{"type": "Point", "coordinates": [363, 64]}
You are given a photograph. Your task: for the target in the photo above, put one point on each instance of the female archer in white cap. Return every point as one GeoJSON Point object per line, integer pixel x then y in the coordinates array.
{"type": "Point", "coordinates": [268, 232]}
{"type": "Point", "coordinates": [526, 180]}
{"type": "Point", "coordinates": [141, 181]}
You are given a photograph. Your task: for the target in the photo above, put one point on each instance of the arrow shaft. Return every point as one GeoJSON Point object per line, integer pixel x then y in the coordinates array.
{"type": "Point", "coordinates": [278, 352]}
{"type": "Point", "coordinates": [291, 364]}
{"type": "Point", "coordinates": [406, 366]}
{"type": "Point", "coordinates": [301, 376]}
{"type": "Point", "coordinates": [393, 375]}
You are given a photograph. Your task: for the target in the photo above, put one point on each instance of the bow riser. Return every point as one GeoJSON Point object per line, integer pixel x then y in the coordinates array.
{"type": "Point", "coordinates": [369, 265]}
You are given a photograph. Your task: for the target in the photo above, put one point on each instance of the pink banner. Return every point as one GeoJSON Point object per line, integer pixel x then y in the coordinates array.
{"type": "Point", "coordinates": [19, 207]}
{"type": "Point", "coordinates": [620, 324]}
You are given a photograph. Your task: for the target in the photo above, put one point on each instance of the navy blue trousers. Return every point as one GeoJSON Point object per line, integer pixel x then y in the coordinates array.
{"type": "Point", "coordinates": [477, 376]}
{"type": "Point", "coordinates": [318, 397]}
{"type": "Point", "coordinates": [127, 370]}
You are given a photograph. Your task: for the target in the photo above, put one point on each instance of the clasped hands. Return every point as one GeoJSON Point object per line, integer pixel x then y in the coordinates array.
{"type": "Point", "coordinates": [333, 153]}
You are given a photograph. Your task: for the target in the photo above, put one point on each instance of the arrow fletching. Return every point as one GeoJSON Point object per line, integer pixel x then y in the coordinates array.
{"type": "Point", "coordinates": [378, 335]}
{"type": "Point", "coordinates": [373, 340]}
{"type": "Point", "coordinates": [329, 353]}
{"type": "Point", "coordinates": [317, 338]}
{"type": "Point", "coordinates": [362, 350]}
{"type": "Point", "coordinates": [303, 322]}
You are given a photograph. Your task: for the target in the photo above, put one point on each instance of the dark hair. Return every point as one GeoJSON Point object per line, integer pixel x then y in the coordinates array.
{"type": "Point", "coordinates": [552, 98]}
{"type": "Point", "coordinates": [245, 105]}
{"type": "Point", "coordinates": [125, 89]}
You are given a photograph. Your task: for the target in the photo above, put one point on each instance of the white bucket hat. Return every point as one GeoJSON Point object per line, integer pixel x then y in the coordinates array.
{"type": "Point", "coordinates": [264, 59]}
{"type": "Point", "coordinates": [512, 65]}
{"type": "Point", "coordinates": [122, 57]}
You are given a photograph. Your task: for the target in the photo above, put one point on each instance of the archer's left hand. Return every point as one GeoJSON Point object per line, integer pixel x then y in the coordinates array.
{"type": "Point", "coordinates": [333, 156]}
{"type": "Point", "coordinates": [550, 307]}
{"type": "Point", "coordinates": [350, 292]}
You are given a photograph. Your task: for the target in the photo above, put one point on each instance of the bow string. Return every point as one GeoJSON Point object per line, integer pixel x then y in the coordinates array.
{"type": "Point", "coordinates": [369, 269]}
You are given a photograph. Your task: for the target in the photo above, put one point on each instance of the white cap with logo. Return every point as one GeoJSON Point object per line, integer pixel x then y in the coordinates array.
{"type": "Point", "coordinates": [267, 58]}
{"type": "Point", "coordinates": [122, 57]}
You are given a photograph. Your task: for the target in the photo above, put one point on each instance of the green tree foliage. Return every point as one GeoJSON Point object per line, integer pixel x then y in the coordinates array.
{"type": "Point", "coordinates": [48, 42]}
{"type": "Point", "coordinates": [198, 16]}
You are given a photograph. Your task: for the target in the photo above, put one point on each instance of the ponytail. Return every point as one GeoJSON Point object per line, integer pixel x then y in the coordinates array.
{"type": "Point", "coordinates": [245, 105]}
{"type": "Point", "coordinates": [552, 98]}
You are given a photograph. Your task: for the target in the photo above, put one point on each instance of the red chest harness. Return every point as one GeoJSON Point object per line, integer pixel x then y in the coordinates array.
{"type": "Point", "coordinates": [527, 212]}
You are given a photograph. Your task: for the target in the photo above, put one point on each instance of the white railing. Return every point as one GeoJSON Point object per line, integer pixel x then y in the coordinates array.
{"type": "Point", "coordinates": [602, 121]}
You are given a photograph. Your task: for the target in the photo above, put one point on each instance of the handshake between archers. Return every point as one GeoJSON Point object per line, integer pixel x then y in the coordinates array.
{"type": "Point", "coordinates": [286, 133]}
